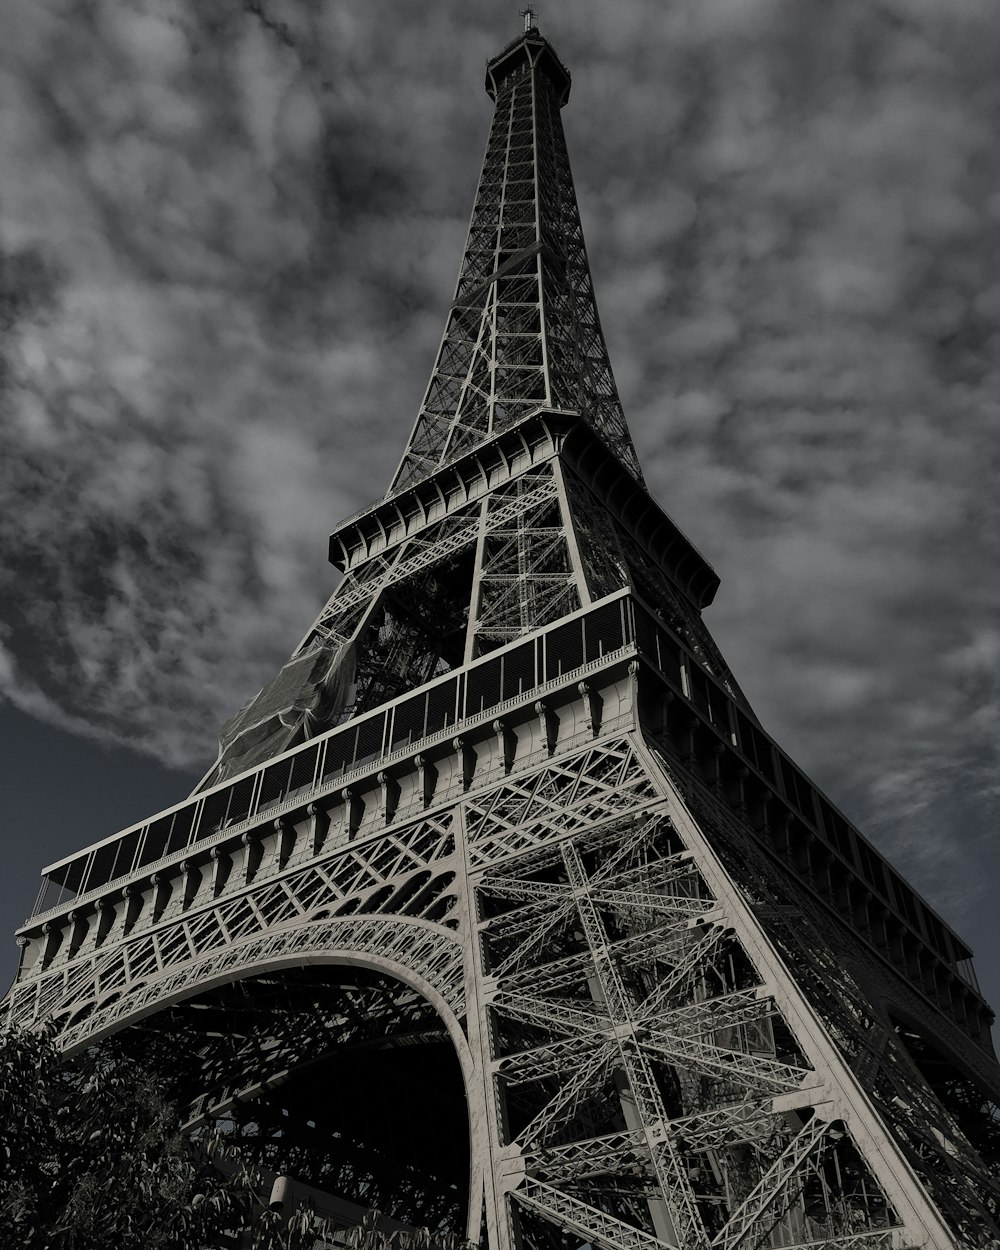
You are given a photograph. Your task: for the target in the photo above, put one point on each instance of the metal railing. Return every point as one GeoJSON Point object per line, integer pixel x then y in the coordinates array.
{"type": "Point", "coordinates": [530, 667]}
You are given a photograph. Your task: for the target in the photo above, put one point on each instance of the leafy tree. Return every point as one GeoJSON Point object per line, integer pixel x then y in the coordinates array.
{"type": "Point", "coordinates": [368, 1235]}
{"type": "Point", "coordinates": [93, 1159]}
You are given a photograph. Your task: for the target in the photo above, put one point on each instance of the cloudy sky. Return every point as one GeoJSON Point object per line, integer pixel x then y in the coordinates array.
{"type": "Point", "coordinates": [228, 236]}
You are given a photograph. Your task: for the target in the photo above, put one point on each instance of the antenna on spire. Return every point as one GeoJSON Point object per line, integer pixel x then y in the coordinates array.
{"type": "Point", "coordinates": [530, 19]}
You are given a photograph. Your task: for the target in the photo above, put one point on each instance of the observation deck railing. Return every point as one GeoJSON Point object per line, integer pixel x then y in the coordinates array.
{"type": "Point", "coordinates": [613, 629]}
{"type": "Point", "coordinates": [440, 709]}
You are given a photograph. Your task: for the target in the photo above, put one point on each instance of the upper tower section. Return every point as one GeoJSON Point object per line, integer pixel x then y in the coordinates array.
{"type": "Point", "coordinates": [528, 53]}
{"type": "Point", "coordinates": [523, 332]}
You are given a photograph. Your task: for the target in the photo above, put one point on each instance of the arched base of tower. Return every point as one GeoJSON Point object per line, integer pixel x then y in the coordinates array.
{"type": "Point", "coordinates": [342, 1078]}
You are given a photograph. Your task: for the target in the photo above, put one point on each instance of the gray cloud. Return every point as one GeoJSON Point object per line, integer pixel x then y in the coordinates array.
{"type": "Point", "coordinates": [229, 239]}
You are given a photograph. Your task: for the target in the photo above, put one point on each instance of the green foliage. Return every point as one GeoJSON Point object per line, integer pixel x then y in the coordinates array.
{"type": "Point", "coordinates": [368, 1236]}
{"type": "Point", "coordinates": [92, 1158]}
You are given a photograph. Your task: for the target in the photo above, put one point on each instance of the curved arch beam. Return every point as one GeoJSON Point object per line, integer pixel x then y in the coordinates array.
{"type": "Point", "coordinates": [424, 956]}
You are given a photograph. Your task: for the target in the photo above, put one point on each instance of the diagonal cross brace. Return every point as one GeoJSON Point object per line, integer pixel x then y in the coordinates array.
{"type": "Point", "coordinates": [771, 1186]}
{"type": "Point", "coordinates": [667, 1166]}
{"type": "Point", "coordinates": [588, 1222]}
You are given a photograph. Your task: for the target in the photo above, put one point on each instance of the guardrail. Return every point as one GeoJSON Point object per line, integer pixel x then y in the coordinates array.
{"type": "Point", "coordinates": [531, 666]}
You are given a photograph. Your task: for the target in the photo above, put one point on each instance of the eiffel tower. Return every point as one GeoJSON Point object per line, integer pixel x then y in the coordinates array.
{"type": "Point", "coordinates": [499, 910]}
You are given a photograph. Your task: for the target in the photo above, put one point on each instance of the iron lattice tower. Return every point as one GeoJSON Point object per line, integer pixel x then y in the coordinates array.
{"type": "Point", "coordinates": [500, 910]}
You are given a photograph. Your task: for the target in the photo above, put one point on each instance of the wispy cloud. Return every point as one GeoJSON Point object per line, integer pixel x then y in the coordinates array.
{"type": "Point", "coordinates": [229, 238]}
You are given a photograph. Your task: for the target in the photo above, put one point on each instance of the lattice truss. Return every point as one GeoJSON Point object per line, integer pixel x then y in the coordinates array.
{"type": "Point", "coordinates": [533, 551]}
{"type": "Point", "coordinates": [637, 1054]}
{"type": "Point", "coordinates": [523, 331]}
{"type": "Point", "coordinates": [944, 1116]}
{"type": "Point", "coordinates": [497, 569]}
{"type": "Point", "coordinates": [390, 626]}
{"type": "Point", "coordinates": [148, 948]}
{"type": "Point", "coordinates": [525, 578]}
{"type": "Point", "coordinates": [566, 796]}
{"type": "Point", "coordinates": [507, 555]}
{"type": "Point", "coordinates": [354, 600]}
{"type": "Point", "coordinates": [342, 899]}
{"type": "Point", "coordinates": [645, 1087]}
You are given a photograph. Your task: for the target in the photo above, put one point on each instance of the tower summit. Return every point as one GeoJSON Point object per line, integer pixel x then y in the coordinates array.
{"type": "Point", "coordinates": [499, 910]}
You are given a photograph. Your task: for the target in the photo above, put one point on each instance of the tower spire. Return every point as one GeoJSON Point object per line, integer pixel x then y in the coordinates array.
{"type": "Point", "coordinates": [522, 333]}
